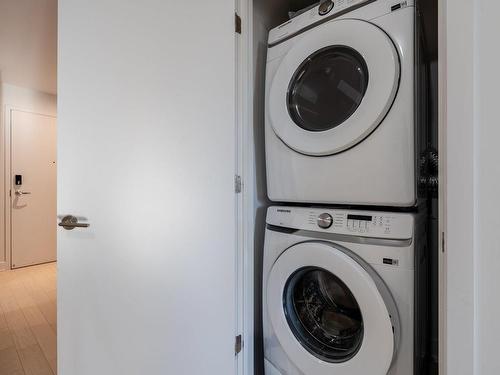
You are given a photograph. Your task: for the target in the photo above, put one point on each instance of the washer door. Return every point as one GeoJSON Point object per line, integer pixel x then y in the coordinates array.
{"type": "Point", "coordinates": [334, 87]}
{"type": "Point", "coordinates": [328, 313]}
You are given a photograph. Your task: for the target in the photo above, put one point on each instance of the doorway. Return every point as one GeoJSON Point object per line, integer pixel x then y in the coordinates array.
{"type": "Point", "coordinates": [28, 96]}
{"type": "Point", "coordinates": [32, 187]}
{"type": "Point", "coordinates": [280, 15]}
{"type": "Point", "coordinates": [28, 187]}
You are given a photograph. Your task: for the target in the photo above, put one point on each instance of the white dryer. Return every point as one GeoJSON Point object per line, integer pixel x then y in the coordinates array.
{"type": "Point", "coordinates": [339, 291]}
{"type": "Point", "coordinates": [340, 99]}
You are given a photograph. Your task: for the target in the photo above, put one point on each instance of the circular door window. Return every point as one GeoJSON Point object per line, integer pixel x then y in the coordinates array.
{"type": "Point", "coordinates": [327, 88]}
{"type": "Point", "coordinates": [330, 311]}
{"type": "Point", "coordinates": [333, 87]}
{"type": "Point", "coordinates": [323, 314]}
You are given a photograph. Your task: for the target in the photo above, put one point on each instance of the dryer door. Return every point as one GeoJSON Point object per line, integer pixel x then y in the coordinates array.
{"type": "Point", "coordinates": [330, 313]}
{"type": "Point", "coordinates": [334, 87]}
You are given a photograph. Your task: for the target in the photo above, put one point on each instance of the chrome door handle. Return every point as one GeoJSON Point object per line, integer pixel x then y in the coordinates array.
{"type": "Point", "coordinates": [20, 192]}
{"type": "Point", "coordinates": [70, 222]}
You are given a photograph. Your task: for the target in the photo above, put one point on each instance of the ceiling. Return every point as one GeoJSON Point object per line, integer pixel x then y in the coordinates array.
{"type": "Point", "coordinates": [28, 44]}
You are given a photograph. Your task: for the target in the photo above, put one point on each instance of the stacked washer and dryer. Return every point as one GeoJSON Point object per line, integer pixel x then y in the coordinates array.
{"type": "Point", "coordinates": [344, 248]}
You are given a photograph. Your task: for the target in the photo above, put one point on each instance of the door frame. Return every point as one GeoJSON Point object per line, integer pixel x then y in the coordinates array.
{"type": "Point", "coordinates": [457, 258]}
{"type": "Point", "coordinates": [7, 178]}
{"type": "Point", "coordinates": [456, 220]}
{"type": "Point", "coordinates": [244, 177]}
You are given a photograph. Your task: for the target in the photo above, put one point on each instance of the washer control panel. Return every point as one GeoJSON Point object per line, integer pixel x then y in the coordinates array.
{"type": "Point", "coordinates": [367, 223]}
{"type": "Point", "coordinates": [346, 222]}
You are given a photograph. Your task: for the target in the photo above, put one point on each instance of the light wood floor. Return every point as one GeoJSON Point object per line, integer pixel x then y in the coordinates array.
{"type": "Point", "coordinates": [28, 321]}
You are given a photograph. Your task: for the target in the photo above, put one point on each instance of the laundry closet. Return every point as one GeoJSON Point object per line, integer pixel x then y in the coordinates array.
{"type": "Point", "coordinates": [344, 202]}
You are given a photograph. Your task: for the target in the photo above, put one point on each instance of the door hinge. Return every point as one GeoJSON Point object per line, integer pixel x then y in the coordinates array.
{"type": "Point", "coordinates": [238, 345]}
{"type": "Point", "coordinates": [443, 243]}
{"type": "Point", "coordinates": [237, 23]}
{"type": "Point", "coordinates": [237, 184]}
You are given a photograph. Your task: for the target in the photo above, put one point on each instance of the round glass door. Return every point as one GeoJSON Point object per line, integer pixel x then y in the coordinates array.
{"type": "Point", "coordinates": [323, 314]}
{"type": "Point", "coordinates": [333, 87]}
{"type": "Point", "coordinates": [327, 88]}
{"type": "Point", "coordinates": [329, 313]}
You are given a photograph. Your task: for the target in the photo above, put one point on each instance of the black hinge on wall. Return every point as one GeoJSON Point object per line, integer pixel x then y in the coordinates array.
{"type": "Point", "coordinates": [238, 344]}
{"type": "Point", "coordinates": [443, 243]}
{"type": "Point", "coordinates": [237, 23]}
{"type": "Point", "coordinates": [237, 184]}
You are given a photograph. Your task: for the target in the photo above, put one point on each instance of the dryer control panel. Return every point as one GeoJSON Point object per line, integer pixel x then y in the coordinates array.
{"type": "Point", "coordinates": [346, 222]}
{"type": "Point", "coordinates": [331, 9]}
{"type": "Point", "coordinates": [326, 9]}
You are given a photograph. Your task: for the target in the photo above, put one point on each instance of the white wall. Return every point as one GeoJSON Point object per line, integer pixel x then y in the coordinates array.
{"type": "Point", "coordinates": [28, 100]}
{"type": "Point", "coordinates": [458, 56]}
{"type": "Point", "coordinates": [487, 187]}
{"type": "Point", "coordinates": [470, 58]}
{"type": "Point", "coordinates": [28, 43]}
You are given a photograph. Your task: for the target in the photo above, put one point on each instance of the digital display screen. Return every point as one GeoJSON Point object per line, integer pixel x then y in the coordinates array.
{"type": "Point", "coordinates": [359, 217]}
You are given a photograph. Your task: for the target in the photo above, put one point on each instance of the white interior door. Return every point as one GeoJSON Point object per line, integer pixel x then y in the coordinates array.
{"type": "Point", "coordinates": [33, 188]}
{"type": "Point", "coordinates": [146, 141]}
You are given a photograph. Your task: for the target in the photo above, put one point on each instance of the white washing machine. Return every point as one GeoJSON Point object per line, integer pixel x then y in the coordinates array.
{"type": "Point", "coordinates": [340, 98]}
{"type": "Point", "coordinates": [339, 292]}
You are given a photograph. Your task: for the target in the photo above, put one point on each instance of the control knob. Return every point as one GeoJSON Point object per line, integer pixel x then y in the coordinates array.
{"type": "Point", "coordinates": [325, 221]}
{"type": "Point", "coordinates": [325, 7]}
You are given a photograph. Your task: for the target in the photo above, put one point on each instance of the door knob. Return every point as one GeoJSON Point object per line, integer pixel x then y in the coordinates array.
{"type": "Point", "coordinates": [20, 192]}
{"type": "Point", "coordinates": [70, 222]}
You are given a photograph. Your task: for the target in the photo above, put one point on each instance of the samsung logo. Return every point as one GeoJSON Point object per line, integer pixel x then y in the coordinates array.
{"type": "Point", "coordinates": [285, 211]}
